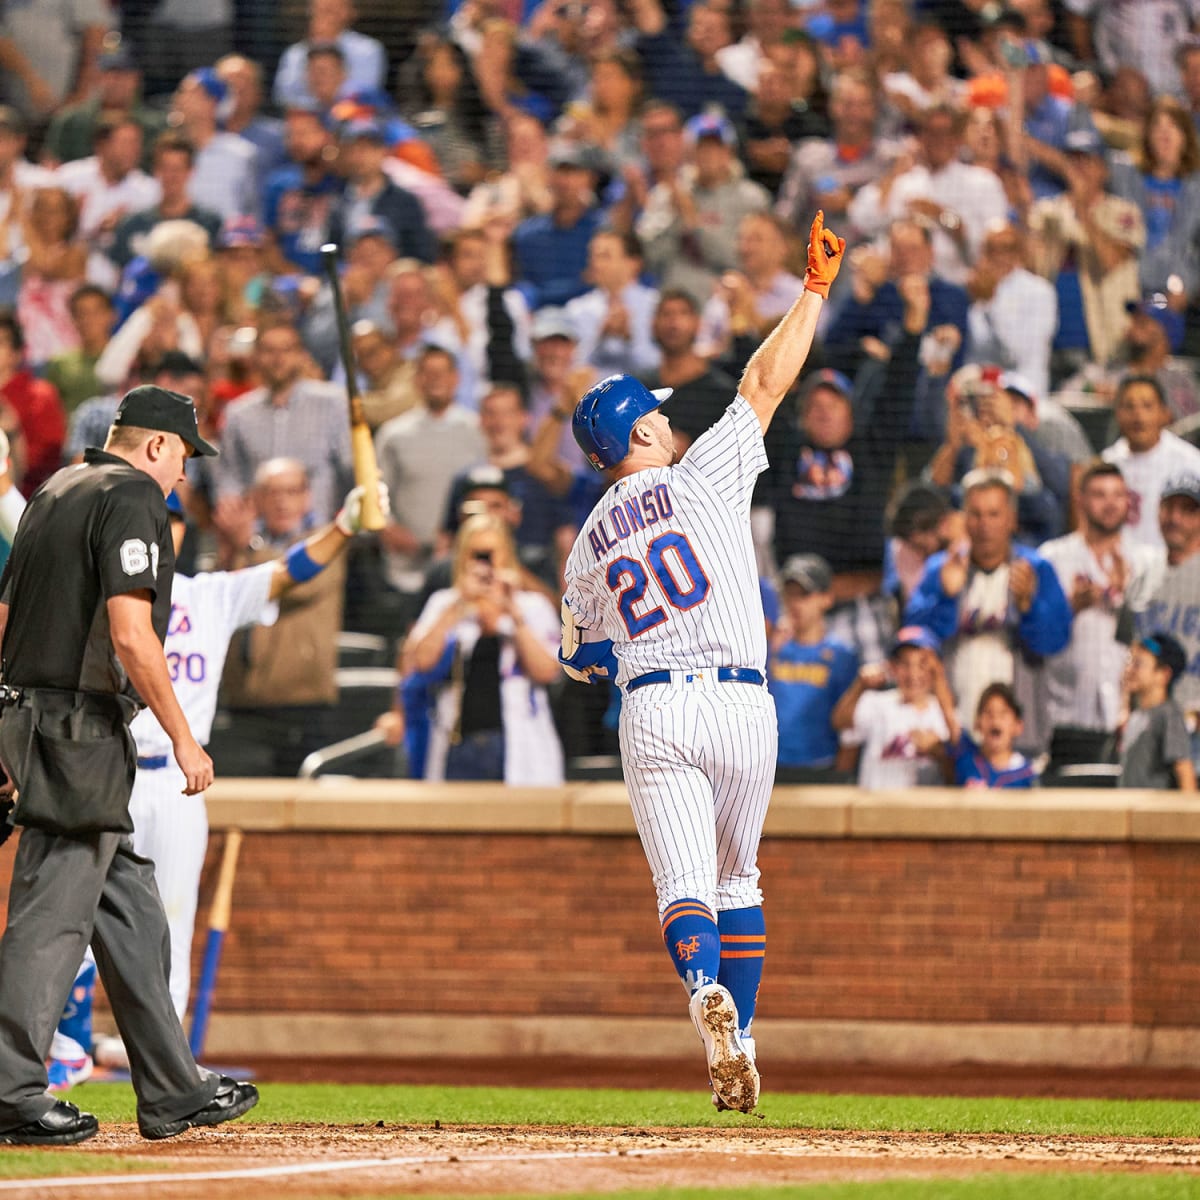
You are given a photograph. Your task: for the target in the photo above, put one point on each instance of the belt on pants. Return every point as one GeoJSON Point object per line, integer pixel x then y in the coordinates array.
{"type": "Point", "coordinates": [724, 675]}
{"type": "Point", "coordinates": [153, 762]}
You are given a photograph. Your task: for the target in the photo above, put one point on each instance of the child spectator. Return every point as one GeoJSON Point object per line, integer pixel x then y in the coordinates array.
{"type": "Point", "coordinates": [1155, 748]}
{"type": "Point", "coordinates": [992, 761]}
{"type": "Point", "coordinates": [889, 724]}
{"type": "Point", "coordinates": [808, 670]}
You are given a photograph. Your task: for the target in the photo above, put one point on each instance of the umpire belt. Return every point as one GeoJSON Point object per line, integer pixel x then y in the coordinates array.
{"type": "Point", "coordinates": [723, 674]}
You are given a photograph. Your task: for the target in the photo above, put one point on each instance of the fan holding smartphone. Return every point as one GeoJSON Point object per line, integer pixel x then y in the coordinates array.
{"type": "Point", "coordinates": [487, 645]}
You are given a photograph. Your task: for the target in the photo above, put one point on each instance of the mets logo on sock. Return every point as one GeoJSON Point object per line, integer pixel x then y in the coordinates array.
{"type": "Point", "coordinates": [684, 951]}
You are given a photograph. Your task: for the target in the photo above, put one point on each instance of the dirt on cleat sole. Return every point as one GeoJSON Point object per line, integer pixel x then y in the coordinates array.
{"type": "Point", "coordinates": [732, 1073]}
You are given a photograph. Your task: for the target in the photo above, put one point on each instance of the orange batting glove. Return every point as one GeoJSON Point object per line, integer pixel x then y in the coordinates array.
{"type": "Point", "coordinates": [825, 253]}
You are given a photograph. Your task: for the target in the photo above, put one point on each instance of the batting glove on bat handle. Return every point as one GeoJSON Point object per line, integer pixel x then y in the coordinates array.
{"type": "Point", "coordinates": [825, 253]}
{"type": "Point", "coordinates": [349, 517]}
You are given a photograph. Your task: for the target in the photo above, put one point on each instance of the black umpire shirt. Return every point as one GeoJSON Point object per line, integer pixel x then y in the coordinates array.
{"type": "Point", "coordinates": [90, 532]}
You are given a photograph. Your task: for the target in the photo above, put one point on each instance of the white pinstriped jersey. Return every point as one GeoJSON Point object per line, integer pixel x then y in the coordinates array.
{"type": "Point", "coordinates": [664, 565]}
{"type": "Point", "coordinates": [206, 611]}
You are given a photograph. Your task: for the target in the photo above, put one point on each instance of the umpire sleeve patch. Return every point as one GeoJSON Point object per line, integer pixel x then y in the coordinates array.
{"type": "Point", "coordinates": [135, 558]}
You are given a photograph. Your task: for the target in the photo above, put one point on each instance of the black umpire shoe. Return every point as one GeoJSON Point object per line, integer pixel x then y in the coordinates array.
{"type": "Point", "coordinates": [232, 1100]}
{"type": "Point", "coordinates": [63, 1125]}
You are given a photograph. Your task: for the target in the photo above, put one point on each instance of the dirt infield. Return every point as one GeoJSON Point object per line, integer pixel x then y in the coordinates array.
{"type": "Point", "coordinates": [303, 1161]}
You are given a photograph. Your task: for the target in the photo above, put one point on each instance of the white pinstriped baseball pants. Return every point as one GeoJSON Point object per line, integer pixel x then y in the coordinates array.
{"type": "Point", "coordinates": [171, 830]}
{"type": "Point", "coordinates": [699, 763]}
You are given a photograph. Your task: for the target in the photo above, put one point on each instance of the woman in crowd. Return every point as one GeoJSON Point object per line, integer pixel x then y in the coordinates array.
{"type": "Point", "coordinates": [165, 321]}
{"type": "Point", "coordinates": [204, 293]}
{"type": "Point", "coordinates": [923, 80]}
{"type": "Point", "coordinates": [608, 120]}
{"type": "Point", "coordinates": [983, 138]}
{"type": "Point", "coordinates": [447, 111]}
{"type": "Point", "coordinates": [1164, 182]}
{"type": "Point", "coordinates": [486, 649]}
{"type": "Point", "coordinates": [523, 190]}
{"type": "Point", "coordinates": [55, 267]}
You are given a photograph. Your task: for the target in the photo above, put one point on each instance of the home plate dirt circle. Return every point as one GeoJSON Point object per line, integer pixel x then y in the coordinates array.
{"type": "Point", "coordinates": [337, 1160]}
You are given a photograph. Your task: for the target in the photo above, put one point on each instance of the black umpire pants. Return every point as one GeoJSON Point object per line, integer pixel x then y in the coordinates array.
{"type": "Point", "coordinates": [67, 892]}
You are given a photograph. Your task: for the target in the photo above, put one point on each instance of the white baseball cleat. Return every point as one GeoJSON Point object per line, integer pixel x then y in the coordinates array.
{"type": "Point", "coordinates": [110, 1052]}
{"type": "Point", "coordinates": [731, 1068]}
{"type": "Point", "coordinates": [749, 1047]}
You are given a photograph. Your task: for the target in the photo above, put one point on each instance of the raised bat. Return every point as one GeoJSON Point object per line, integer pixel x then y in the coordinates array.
{"type": "Point", "coordinates": [362, 445]}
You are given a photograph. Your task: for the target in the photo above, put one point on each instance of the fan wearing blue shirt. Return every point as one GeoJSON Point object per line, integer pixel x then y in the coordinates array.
{"type": "Point", "coordinates": [808, 672]}
{"type": "Point", "coordinates": [991, 761]}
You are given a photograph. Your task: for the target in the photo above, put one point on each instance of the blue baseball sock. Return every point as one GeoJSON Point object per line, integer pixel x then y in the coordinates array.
{"type": "Point", "coordinates": [76, 1023]}
{"type": "Point", "coordinates": [690, 932]}
{"type": "Point", "coordinates": [743, 944]}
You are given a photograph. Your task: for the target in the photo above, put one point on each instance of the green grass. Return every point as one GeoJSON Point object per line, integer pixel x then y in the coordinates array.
{"type": "Point", "coordinates": [1088, 1186]}
{"type": "Point", "coordinates": [16, 1163]}
{"type": "Point", "coordinates": [359, 1104]}
{"type": "Point", "coordinates": [351, 1104]}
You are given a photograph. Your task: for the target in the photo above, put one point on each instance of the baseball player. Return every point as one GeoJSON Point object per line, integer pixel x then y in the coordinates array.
{"type": "Point", "coordinates": [171, 829]}
{"type": "Point", "coordinates": [662, 585]}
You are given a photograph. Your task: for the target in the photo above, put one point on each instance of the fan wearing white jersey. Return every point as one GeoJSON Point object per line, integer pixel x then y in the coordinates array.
{"type": "Point", "coordinates": [662, 576]}
{"type": "Point", "coordinates": [169, 827]}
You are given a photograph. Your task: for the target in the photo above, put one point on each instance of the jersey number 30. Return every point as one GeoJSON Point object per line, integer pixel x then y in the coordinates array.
{"type": "Point", "coordinates": [673, 563]}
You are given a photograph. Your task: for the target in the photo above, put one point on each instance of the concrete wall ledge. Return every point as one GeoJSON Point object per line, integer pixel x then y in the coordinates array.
{"type": "Point", "coordinates": [335, 804]}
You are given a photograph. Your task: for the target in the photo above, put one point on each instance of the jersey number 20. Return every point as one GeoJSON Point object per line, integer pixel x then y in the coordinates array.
{"type": "Point", "coordinates": [683, 591]}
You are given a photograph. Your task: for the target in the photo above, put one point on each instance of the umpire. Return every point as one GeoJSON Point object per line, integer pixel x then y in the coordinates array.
{"type": "Point", "coordinates": [84, 604]}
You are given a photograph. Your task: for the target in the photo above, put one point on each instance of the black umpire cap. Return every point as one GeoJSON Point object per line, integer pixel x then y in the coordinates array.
{"type": "Point", "coordinates": [150, 407]}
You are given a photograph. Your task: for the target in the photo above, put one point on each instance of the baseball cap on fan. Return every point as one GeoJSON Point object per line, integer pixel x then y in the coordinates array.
{"type": "Point", "coordinates": [238, 232]}
{"type": "Point", "coordinates": [713, 125]}
{"type": "Point", "coordinates": [553, 323]}
{"type": "Point", "coordinates": [1167, 652]}
{"type": "Point", "coordinates": [809, 571]}
{"type": "Point", "coordinates": [828, 378]}
{"type": "Point", "coordinates": [1158, 308]}
{"type": "Point", "coordinates": [915, 635]}
{"type": "Point", "coordinates": [1084, 141]}
{"type": "Point", "coordinates": [485, 477]}
{"type": "Point", "coordinates": [150, 407]}
{"type": "Point", "coordinates": [1010, 381]}
{"type": "Point", "coordinates": [1186, 485]}
{"type": "Point", "coordinates": [371, 225]}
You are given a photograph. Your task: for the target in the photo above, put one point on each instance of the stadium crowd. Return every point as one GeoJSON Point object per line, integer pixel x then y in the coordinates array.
{"type": "Point", "coordinates": [985, 493]}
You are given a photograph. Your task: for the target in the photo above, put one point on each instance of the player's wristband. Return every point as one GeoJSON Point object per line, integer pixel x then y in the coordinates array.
{"type": "Point", "coordinates": [300, 564]}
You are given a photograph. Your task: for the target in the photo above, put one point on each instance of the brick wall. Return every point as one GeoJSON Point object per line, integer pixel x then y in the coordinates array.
{"type": "Point", "coordinates": [920, 930]}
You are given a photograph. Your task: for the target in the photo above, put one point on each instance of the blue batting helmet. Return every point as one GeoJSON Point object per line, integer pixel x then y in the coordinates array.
{"type": "Point", "coordinates": [605, 416]}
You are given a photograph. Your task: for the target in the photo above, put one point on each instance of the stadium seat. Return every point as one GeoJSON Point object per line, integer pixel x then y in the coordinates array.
{"type": "Point", "coordinates": [363, 756]}
{"type": "Point", "coordinates": [1073, 744]}
{"type": "Point", "coordinates": [361, 650]}
{"type": "Point", "coordinates": [364, 693]}
{"type": "Point", "coordinates": [1081, 758]}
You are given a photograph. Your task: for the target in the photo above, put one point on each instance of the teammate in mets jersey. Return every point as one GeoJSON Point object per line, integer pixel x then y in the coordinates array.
{"type": "Point", "coordinates": [661, 585]}
{"type": "Point", "coordinates": [170, 828]}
